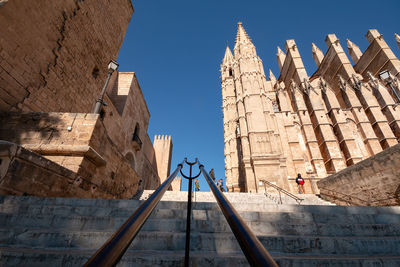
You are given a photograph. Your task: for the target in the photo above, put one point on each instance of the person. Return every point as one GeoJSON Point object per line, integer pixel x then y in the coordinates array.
{"type": "Point", "coordinates": [221, 185]}
{"type": "Point", "coordinates": [217, 183]}
{"type": "Point", "coordinates": [197, 185]}
{"type": "Point", "coordinates": [212, 175]}
{"type": "Point", "coordinates": [300, 184]}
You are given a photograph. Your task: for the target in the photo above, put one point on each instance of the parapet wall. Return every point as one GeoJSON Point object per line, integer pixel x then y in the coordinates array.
{"type": "Point", "coordinates": [372, 182]}
{"type": "Point", "coordinates": [78, 142]}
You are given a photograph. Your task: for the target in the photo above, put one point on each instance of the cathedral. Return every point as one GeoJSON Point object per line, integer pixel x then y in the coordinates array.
{"type": "Point", "coordinates": [314, 125]}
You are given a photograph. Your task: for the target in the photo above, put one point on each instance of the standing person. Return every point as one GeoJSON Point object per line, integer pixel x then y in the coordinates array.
{"type": "Point", "coordinates": [221, 186]}
{"type": "Point", "coordinates": [217, 183]}
{"type": "Point", "coordinates": [212, 175]}
{"type": "Point", "coordinates": [300, 184]}
{"type": "Point", "coordinates": [197, 185]}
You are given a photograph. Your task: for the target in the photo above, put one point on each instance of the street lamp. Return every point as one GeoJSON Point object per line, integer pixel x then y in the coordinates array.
{"type": "Point", "coordinates": [385, 76]}
{"type": "Point", "coordinates": [112, 66]}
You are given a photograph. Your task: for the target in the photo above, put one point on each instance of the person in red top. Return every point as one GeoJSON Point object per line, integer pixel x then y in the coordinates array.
{"type": "Point", "coordinates": [300, 184]}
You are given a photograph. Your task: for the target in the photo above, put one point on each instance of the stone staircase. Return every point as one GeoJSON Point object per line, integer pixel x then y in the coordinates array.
{"type": "Point", "coordinates": [254, 199]}
{"type": "Point", "coordinates": [66, 232]}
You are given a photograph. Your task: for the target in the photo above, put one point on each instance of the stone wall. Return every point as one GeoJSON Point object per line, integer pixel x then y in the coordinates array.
{"type": "Point", "coordinates": [127, 111]}
{"type": "Point", "coordinates": [23, 172]}
{"type": "Point", "coordinates": [79, 142]}
{"type": "Point", "coordinates": [163, 155]}
{"type": "Point", "coordinates": [51, 52]}
{"type": "Point", "coordinates": [372, 182]}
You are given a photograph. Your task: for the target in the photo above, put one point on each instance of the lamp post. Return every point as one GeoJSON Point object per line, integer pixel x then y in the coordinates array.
{"type": "Point", "coordinates": [385, 76]}
{"type": "Point", "coordinates": [112, 66]}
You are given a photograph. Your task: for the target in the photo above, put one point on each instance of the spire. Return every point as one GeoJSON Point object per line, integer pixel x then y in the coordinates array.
{"type": "Point", "coordinates": [242, 36]}
{"type": "Point", "coordinates": [317, 54]}
{"type": "Point", "coordinates": [280, 56]}
{"type": "Point", "coordinates": [354, 51]}
{"type": "Point", "coordinates": [228, 58]}
{"type": "Point", "coordinates": [397, 39]}
{"type": "Point", "coordinates": [272, 76]}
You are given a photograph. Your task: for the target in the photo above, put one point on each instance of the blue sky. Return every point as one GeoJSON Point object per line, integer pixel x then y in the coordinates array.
{"type": "Point", "coordinates": [176, 48]}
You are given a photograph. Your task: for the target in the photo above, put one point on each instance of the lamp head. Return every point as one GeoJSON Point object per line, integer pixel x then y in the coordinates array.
{"type": "Point", "coordinates": [384, 75]}
{"type": "Point", "coordinates": [113, 65]}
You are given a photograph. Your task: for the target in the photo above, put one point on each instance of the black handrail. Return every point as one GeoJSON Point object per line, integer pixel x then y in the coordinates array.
{"type": "Point", "coordinates": [252, 248]}
{"type": "Point", "coordinates": [112, 251]}
{"type": "Point", "coordinates": [279, 189]}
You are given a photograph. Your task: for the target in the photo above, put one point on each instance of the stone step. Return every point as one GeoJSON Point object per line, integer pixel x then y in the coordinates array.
{"type": "Point", "coordinates": [31, 213]}
{"type": "Point", "coordinates": [271, 198]}
{"type": "Point", "coordinates": [275, 227]}
{"type": "Point", "coordinates": [70, 257]}
{"type": "Point", "coordinates": [97, 205]}
{"type": "Point", "coordinates": [220, 242]}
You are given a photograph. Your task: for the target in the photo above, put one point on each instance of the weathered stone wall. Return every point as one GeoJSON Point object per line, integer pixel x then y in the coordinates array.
{"type": "Point", "coordinates": [127, 111]}
{"type": "Point", "coordinates": [23, 172]}
{"type": "Point", "coordinates": [54, 54]}
{"type": "Point", "coordinates": [79, 142]}
{"type": "Point", "coordinates": [372, 182]}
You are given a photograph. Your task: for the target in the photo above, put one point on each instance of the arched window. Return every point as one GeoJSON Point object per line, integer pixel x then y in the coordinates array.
{"type": "Point", "coordinates": [137, 143]}
{"type": "Point", "coordinates": [230, 72]}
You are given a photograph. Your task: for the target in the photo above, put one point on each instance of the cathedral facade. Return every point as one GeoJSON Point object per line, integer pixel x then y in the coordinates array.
{"type": "Point", "coordinates": [313, 125]}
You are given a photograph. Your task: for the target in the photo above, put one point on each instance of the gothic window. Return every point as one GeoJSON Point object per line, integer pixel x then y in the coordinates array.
{"type": "Point", "coordinates": [230, 72]}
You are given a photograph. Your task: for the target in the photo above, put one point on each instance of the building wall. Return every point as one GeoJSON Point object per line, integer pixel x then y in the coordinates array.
{"type": "Point", "coordinates": [53, 54]}
{"type": "Point", "coordinates": [127, 111]}
{"type": "Point", "coordinates": [76, 141]}
{"type": "Point", "coordinates": [313, 125]}
{"type": "Point", "coordinates": [163, 155]}
{"type": "Point", "coordinates": [52, 69]}
{"type": "Point", "coordinates": [374, 181]}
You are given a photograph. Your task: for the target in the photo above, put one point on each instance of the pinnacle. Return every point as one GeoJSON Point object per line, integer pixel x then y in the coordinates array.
{"type": "Point", "coordinates": [397, 39]}
{"type": "Point", "coordinates": [280, 56]}
{"type": "Point", "coordinates": [242, 36]}
{"type": "Point", "coordinates": [272, 77]}
{"type": "Point", "coordinates": [354, 51]}
{"type": "Point", "coordinates": [279, 51]}
{"type": "Point", "coordinates": [314, 48]}
{"type": "Point", "coordinates": [317, 54]}
{"type": "Point", "coordinates": [228, 57]}
{"type": "Point", "coordinates": [350, 44]}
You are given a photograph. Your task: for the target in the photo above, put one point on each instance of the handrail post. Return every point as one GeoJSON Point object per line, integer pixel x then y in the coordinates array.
{"type": "Point", "coordinates": [189, 209]}
{"type": "Point", "coordinates": [114, 248]}
{"type": "Point", "coordinates": [188, 217]}
{"type": "Point", "coordinates": [252, 248]}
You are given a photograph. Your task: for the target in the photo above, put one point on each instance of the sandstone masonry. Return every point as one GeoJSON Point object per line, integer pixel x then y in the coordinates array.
{"type": "Point", "coordinates": [52, 67]}
{"type": "Point", "coordinates": [314, 125]}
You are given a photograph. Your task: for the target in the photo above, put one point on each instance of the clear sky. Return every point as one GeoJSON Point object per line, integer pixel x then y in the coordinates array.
{"type": "Point", "coordinates": [176, 48]}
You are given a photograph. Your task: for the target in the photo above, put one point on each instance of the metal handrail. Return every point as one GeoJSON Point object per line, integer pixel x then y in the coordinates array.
{"type": "Point", "coordinates": [368, 203]}
{"type": "Point", "coordinates": [252, 248]}
{"type": "Point", "coordinates": [296, 198]}
{"type": "Point", "coordinates": [114, 248]}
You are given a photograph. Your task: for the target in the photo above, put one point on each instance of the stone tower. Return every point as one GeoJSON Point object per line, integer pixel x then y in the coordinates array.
{"type": "Point", "coordinates": [251, 143]}
{"type": "Point", "coordinates": [313, 125]}
{"type": "Point", "coordinates": [163, 153]}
